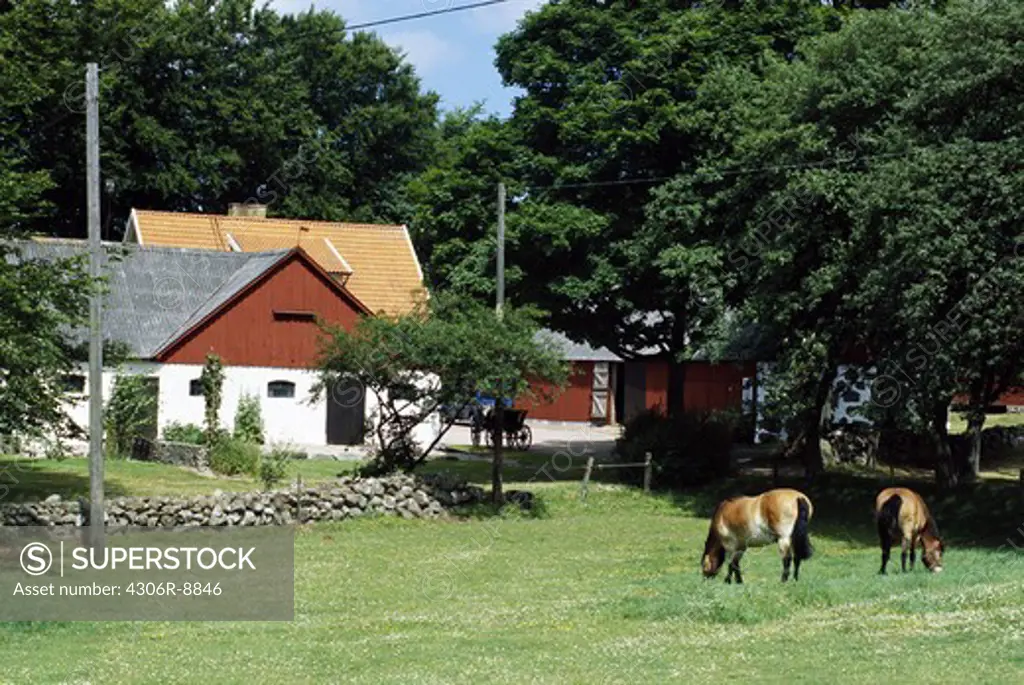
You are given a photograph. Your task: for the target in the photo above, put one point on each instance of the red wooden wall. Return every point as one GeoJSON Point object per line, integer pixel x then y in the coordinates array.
{"type": "Point", "coordinates": [715, 386]}
{"type": "Point", "coordinates": [248, 334]}
{"type": "Point", "coordinates": [656, 385]}
{"type": "Point", "coordinates": [706, 386]}
{"type": "Point", "coordinates": [573, 404]}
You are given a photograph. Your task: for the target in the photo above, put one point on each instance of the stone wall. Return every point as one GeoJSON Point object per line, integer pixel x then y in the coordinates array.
{"type": "Point", "coordinates": [174, 453]}
{"type": "Point", "coordinates": [400, 495]}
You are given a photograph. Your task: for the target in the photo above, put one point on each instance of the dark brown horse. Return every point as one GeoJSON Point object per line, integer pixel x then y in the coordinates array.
{"type": "Point", "coordinates": [779, 515]}
{"type": "Point", "coordinates": [901, 514]}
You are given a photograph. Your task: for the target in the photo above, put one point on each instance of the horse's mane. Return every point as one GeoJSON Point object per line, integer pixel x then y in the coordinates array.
{"type": "Point", "coordinates": [713, 537]}
{"type": "Point", "coordinates": [931, 527]}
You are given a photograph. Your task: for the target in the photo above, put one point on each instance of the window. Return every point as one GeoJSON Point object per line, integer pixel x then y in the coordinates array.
{"type": "Point", "coordinates": [195, 387]}
{"type": "Point", "coordinates": [280, 389]}
{"type": "Point", "coordinates": [293, 315]}
{"type": "Point", "coordinates": [73, 383]}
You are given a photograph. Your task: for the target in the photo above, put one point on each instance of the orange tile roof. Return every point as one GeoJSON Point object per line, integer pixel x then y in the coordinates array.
{"type": "Point", "coordinates": [320, 249]}
{"type": "Point", "coordinates": [385, 272]}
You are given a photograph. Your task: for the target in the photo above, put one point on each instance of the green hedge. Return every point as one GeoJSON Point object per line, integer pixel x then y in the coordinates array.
{"type": "Point", "coordinates": [686, 450]}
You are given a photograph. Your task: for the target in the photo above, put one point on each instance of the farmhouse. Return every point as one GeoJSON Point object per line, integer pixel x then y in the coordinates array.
{"type": "Point", "coordinates": [376, 263]}
{"type": "Point", "coordinates": [259, 311]}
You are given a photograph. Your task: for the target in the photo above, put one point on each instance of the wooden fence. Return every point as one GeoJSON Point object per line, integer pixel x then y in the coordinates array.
{"type": "Point", "coordinates": [646, 464]}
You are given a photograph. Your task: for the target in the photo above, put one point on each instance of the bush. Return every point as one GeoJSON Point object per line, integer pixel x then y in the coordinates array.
{"type": "Point", "coordinates": [249, 420]}
{"type": "Point", "coordinates": [184, 432]}
{"type": "Point", "coordinates": [232, 457]}
{"type": "Point", "coordinates": [274, 466]}
{"type": "Point", "coordinates": [129, 413]}
{"type": "Point", "coordinates": [686, 450]}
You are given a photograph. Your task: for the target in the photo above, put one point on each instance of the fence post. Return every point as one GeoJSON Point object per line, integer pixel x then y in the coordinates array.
{"type": "Point", "coordinates": [586, 479]}
{"type": "Point", "coordinates": [647, 474]}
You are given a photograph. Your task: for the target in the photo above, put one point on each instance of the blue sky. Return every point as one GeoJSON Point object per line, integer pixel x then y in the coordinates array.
{"type": "Point", "coordinates": [452, 53]}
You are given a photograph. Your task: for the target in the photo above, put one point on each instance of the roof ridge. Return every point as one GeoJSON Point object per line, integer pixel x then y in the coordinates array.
{"type": "Point", "coordinates": [270, 219]}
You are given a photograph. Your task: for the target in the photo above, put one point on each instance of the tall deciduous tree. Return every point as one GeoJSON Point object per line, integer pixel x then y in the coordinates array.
{"type": "Point", "coordinates": [206, 103]}
{"type": "Point", "coordinates": [611, 111]}
{"type": "Point", "coordinates": [868, 195]}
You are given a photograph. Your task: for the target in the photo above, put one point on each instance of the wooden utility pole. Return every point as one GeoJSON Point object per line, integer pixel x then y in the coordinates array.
{"type": "Point", "coordinates": [92, 133]}
{"type": "Point", "coordinates": [499, 405]}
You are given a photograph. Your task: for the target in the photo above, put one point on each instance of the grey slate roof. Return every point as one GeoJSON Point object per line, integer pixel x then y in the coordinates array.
{"type": "Point", "coordinates": [577, 352]}
{"type": "Point", "coordinates": [157, 293]}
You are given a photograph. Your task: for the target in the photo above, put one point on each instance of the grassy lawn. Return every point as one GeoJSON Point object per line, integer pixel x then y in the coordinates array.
{"type": "Point", "coordinates": [603, 592]}
{"type": "Point", "coordinates": [32, 479]}
{"type": "Point", "coordinates": [958, 421]}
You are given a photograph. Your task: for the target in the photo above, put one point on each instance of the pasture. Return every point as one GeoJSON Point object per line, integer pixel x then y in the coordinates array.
{"type": "Point", "coordinates": [604, 592]}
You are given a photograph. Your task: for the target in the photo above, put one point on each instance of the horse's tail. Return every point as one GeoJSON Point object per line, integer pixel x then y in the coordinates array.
{"type": "Point", "coordinates": [888, 515]}
{"type": "Point", "coordinates": [800, 537]}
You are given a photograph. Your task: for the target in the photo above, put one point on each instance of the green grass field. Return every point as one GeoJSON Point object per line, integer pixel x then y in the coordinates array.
{"type": "Point", "coordinates": [603, 592]}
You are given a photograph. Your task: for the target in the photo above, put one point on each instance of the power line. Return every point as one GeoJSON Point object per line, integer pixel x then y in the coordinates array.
{"type": "Point", "coordinates": [422, 15]}
{"type": "Point", "coordinates": [823, 164]}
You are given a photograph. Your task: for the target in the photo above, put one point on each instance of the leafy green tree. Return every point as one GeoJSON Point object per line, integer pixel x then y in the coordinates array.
{"type": "Point", "coordinates": [611, 95]}
{"type": "Point", "coordinates": [859, 197]}
{"type": "Point", "coordinates": [129, 413]}
{"type": "Point", "coordinates": [42, 304]}
{"type": "Point", "coordinates": [206, 103]}
{"type": "Point", "coordinates": [437, 356]}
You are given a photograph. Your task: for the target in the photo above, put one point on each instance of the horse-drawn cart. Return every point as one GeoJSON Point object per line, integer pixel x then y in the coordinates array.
{"type": "Point", "coordinates": [518, 435]}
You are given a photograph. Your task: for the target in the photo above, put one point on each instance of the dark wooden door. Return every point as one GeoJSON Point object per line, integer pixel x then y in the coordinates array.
{"type": "Point", "coordinates": [635, 395]}
{"type": "Point", "coordinates": [346, 410]}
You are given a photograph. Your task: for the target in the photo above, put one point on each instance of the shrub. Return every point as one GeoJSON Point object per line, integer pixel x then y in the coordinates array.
{"type": "Point", "coordinates": [686, 450]}
{"type": "Point", "coordinates": [249, 420]}
{"type": "Point", "coordinates": [212, 379]}
{"type": "Point", "coordinates": [184, 432]}
{"type": "Point", "coordinates": [274, 466]}
{"type": "Point", "coordinates": [129, 413]}
{"type": "Point", "coordinates": [232, 457]}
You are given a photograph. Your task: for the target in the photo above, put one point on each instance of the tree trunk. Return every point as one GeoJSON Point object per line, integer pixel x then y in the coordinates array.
{"type": "Point", "coordinates": [947, 471]}
{"type": "Point", "coordinates": [975, 423]}
{"type": "Point", "coordinates": [497, 496]}
{"type": "Point", "coordinates": [814, 462]}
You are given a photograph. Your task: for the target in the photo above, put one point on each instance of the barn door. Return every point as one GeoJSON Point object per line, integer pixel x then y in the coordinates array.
{"type": "Point", "coordinates": [599, 392]}
{"type": "Point", "coordinates": [346, 409]}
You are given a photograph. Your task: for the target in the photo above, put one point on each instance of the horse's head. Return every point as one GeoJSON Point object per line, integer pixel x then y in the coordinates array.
{"type": "Point", "coordinates": [714, 556]}
{"type": "Point", "coordinates": [932, 556]}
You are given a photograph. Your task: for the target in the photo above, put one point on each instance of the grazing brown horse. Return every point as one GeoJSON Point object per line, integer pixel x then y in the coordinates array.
{"type": "Point", "coordinates": [902, 514]}
{"type": "Point", "coordinates": [779, 515]}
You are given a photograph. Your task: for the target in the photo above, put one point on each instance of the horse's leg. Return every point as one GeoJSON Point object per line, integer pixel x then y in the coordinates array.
{"type": "Point", "coordinates": [786, 550]}
{"type": "Point", "coordinates": [886, 540]}
{"type": "Point", "coordinates": [913, 549]}
{"type": "Point", "coordinates": [735, 565]}
{"type": "Point", "coordinates": [903, 554]}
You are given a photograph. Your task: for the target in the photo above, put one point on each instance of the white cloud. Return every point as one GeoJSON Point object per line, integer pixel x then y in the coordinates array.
{"type": "Point", "coordinates": [424, 49]}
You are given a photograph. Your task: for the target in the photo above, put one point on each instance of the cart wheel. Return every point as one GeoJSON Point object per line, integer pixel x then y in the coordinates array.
{"type": "Point", "coordinates": [489, 435]}
{"type": "Point", "coordinates": [525, 438]}
{"type": "Point", "coordinates": [474, 434]}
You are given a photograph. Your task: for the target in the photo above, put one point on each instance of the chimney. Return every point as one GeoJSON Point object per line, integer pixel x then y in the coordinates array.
{"type": "Point", "coordinates": [247, 209]}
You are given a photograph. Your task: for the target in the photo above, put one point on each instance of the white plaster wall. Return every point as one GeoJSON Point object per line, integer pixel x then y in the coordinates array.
{"type": "Point", "coordinates": [286, 420]}
{"type": "Point", "coordinates": [843, 409]}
